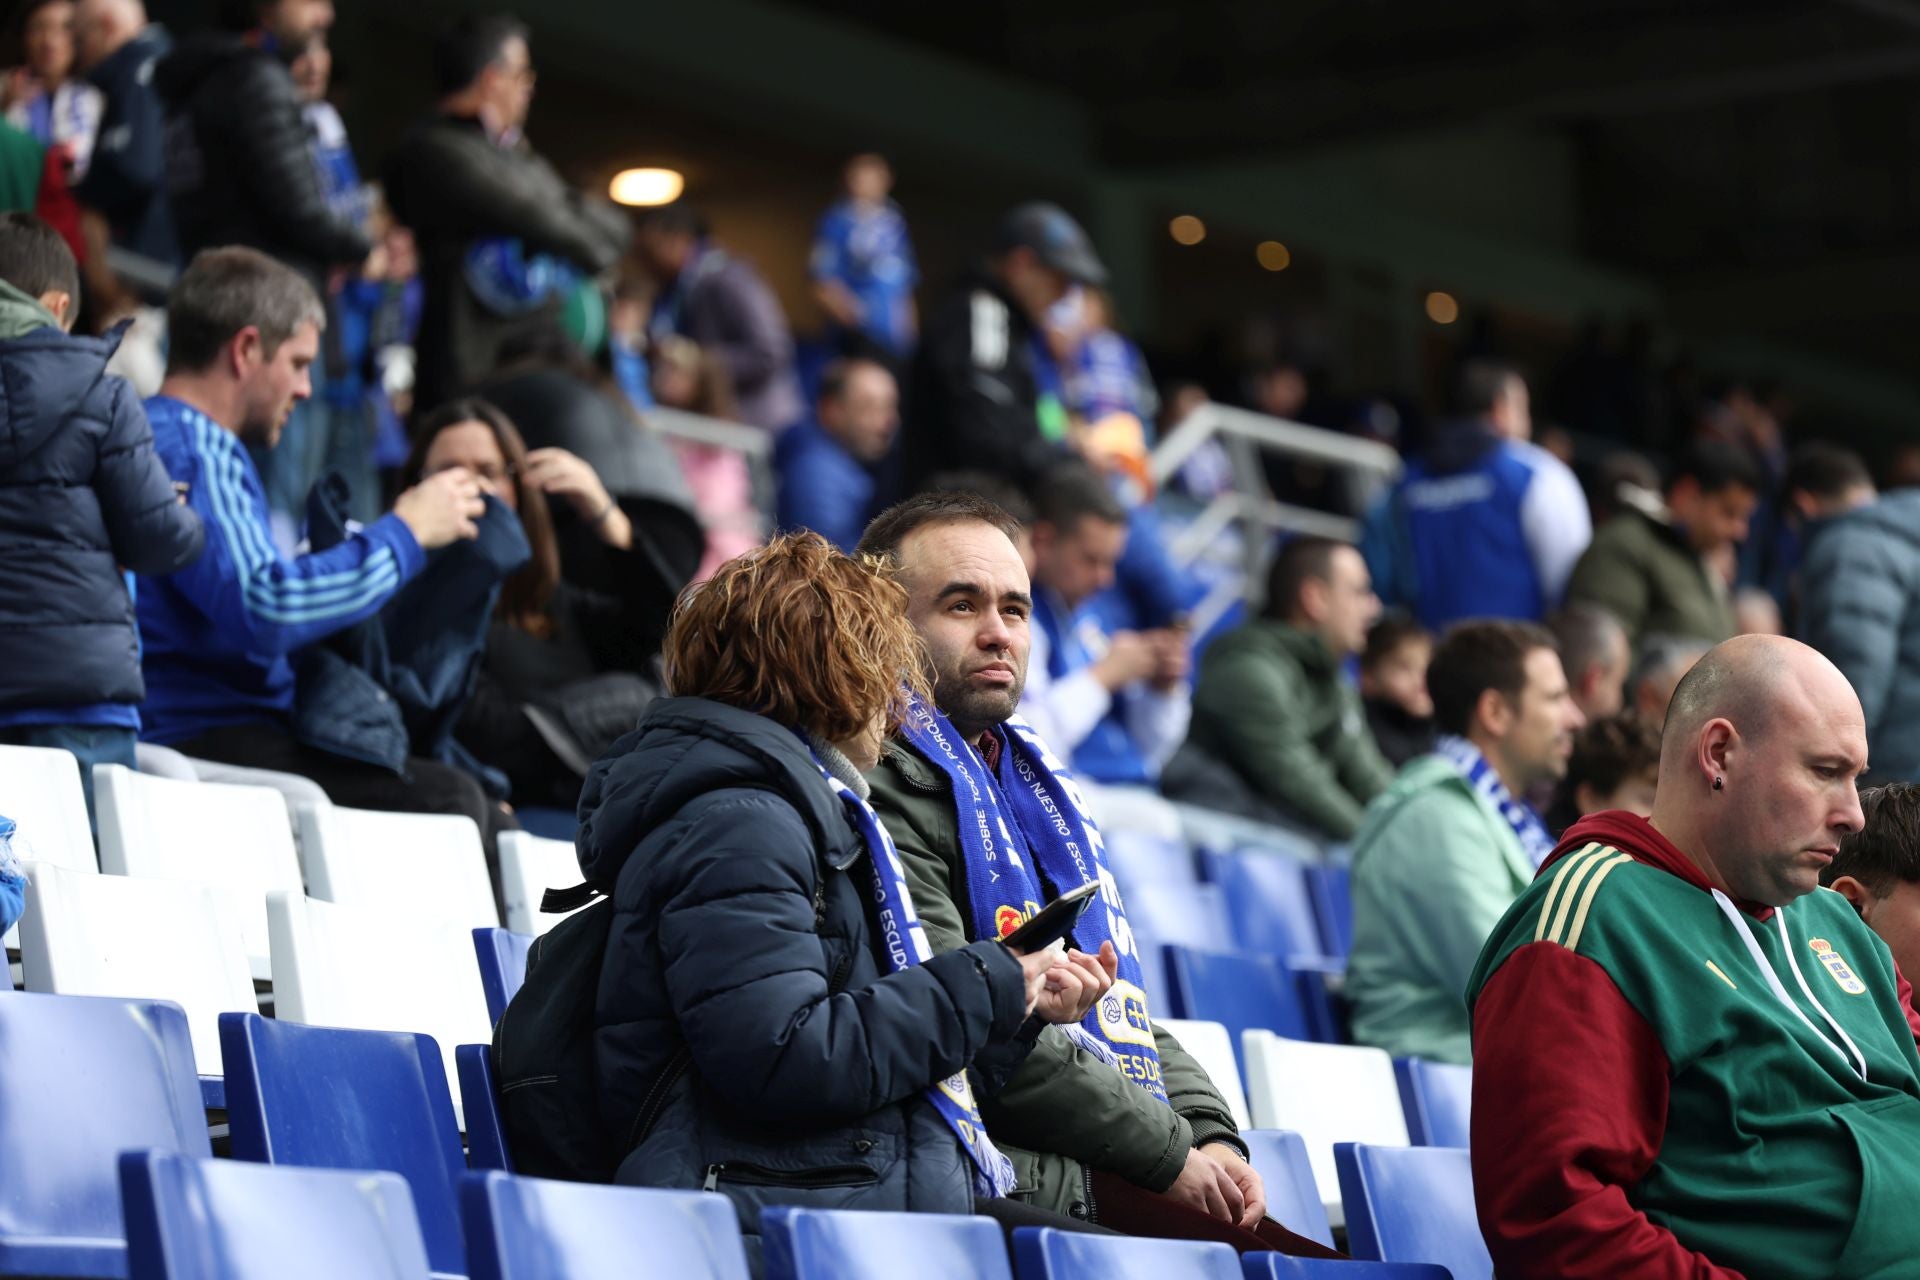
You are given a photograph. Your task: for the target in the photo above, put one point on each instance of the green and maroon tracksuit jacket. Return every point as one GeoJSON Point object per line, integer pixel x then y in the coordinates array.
{"type": "Point", "coordinates": [1666, 1085]}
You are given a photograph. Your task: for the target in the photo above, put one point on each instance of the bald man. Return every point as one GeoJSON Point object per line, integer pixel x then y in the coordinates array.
{"type": "Point", "coordinates": [126, 180]}
{"type": "Point", "coordinates": [1689, 1059]}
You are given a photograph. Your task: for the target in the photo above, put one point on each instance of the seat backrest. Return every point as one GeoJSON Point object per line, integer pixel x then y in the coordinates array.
{"type": "Point", "coordinates": [85, 1079]}
{"type": "Point", "coordinates": [95, 935]}
{"type": "Point", "coordinates": [1278, 1266]}
{"type": "Point", "coordinates": [1326, 1093]}
{"type": "Point", "coordinates": [1438, 1100]}
{"type": "Point", "coordinates": [1131, 809]}
{"type": "Point", "coordinates": [1178, 914]}
{"type": "Point", "coordinates": [1044, 1253]}
{"type": "Point", "coordinates": [502, 954]}
{"type": "Point", "coordinates": [40, 790]}
{"type": "Point", "coordinates": [383, 970]}
{"type": "Point", "coordinates": [1332, 889]}
{"type": "Point", "coordinates": [1138, 861]}
{"type": "Point", "coordinates": [1413, 1204]}
{"type": "Point", "coordinates": [1241, 992]}
{"type": "Point", "coordinates": [1279, 1156]}
{"type": "Point", "coordinates": [227, 1220]}
{"type": "Point", "coordinates": [1212, 1047]}
{"type": "Point", "coordinates": [337, 1098]}
{"type": "Point", "coordinates": [480, 1102]}
{"type": "Point", "coordinates": [1269, 902]}
{"type": "Point", "coordinates": [536, 1229]}
{"type": "Point", "coordinates": [821, 1244]}
{"type": "Point", "coordinates": [529, 866]}
{"type": "Point", "coordinates": [233, 838]}
{"type": "Point", "coordinates": [432, 862]}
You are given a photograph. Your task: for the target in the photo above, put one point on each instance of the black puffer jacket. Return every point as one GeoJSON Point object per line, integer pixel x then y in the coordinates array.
{"type": "Point", "coordinates": [750, 1038]}
{"type": "Point", "coordinates": [238, 167]}
{"type": "Point", "coordinates": [81, 494]}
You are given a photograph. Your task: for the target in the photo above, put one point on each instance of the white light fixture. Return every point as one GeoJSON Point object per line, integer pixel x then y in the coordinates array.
{"type": "Point", "coordinates": [645, 188]}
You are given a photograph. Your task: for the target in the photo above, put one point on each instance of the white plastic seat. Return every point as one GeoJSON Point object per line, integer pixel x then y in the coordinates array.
{"type": "Point", "coordinates": [1134, 809]}
{"type": "Point", "coordinates": [529, 866]}
{"type": "Point", "coordinates": [40, 790]}
{"type": "Point", "coordinates": [235, 839]}
{"type": "Point", "coordinates": [1326, 1093]}
{"type": "Point", "coordinates": [95, 935]}
{"type": "Point", "coordinates": [430, 865]}
{"type": "Point", "coordinates": [383, 970]}
{"type": "Point", "coordinates": [1212, 1047]}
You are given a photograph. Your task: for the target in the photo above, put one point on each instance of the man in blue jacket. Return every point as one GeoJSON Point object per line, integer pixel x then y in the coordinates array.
{"type": "Point", "coordinates": [243, 331]}
{"type": "Point", "coordinates": [827, 465]}
{"type": "Point", "coordinates": [126, 179]}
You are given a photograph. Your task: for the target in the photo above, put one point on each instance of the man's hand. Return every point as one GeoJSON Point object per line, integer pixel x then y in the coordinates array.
{"type": "Point", "coordinates": [442, 508]}
{"type": "Point", "coordinates": [1075, 984]}
{"type": "Point", "coordinates": [1252, 1190]}
{"type": "Point", "coordinates": [1204, 1185]}
{"type": "Point", "coordinates": [1172, 657]}
{"type": "Point", "coordinates": [1130, 656]}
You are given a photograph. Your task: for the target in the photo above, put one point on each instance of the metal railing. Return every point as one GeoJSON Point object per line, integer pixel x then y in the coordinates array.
{"type": "Point", "coordinates": [752, 443]}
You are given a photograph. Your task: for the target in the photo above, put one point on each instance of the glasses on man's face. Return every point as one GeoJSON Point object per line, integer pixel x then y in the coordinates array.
{"type": "Point", "coordinates": [494, 473]}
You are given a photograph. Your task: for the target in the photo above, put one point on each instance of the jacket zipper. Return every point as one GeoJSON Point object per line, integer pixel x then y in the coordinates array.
{"type": "Point", "coordinates": [1086, 1185]}
{"type": "Point", "coordinates": [752, 1175]}
{"type": "Point", "coordinates": [656, 1098]}
{"type": "Point", "coordinates": [839, 978]}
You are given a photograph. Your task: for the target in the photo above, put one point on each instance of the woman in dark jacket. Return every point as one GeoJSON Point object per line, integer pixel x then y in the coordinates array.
{"type": "Point", "coordinates": [771, 1023]}
{"type": "Point", "coordinates": [569, 658]}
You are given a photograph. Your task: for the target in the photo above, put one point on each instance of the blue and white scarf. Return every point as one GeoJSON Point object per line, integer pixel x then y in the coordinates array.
{"type": "Point", "coordinates": [1027, 838]}
{"type": "Point", "coordinates": [1527, 827]}
{"type": "Point", "coordinates": [906, 944]}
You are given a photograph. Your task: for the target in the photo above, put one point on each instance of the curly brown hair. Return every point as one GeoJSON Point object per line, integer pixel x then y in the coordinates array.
{"type": "Point", "coordinates": [800, 633]}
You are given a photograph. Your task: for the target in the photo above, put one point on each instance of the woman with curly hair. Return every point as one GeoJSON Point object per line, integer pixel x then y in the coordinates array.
{"type": "Point", "coordinates": [771, 1022]}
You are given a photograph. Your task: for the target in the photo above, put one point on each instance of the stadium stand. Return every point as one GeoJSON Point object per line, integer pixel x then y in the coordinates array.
{"type": "Point", "coordinates": [1412, 1205]}
{"type": "Point", "coordinates": [536, 1229]}
{"type": "Point", "coordinates": [1327, 1094]}
{"type": "Point", "coordinates": [433, 863]}
{"type": "Point", "coordinates": [1437, 1098]}
{"type": "Point", "coordinates": [814, 1244]}
{"type": "Point", "coordinates": [1043, 1253]}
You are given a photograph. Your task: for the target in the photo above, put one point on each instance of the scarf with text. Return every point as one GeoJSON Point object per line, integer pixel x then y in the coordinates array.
{"type": "Point", "coordinates": [1526, 824]}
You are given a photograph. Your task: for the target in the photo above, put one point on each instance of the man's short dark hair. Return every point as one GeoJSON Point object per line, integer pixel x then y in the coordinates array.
{"type": "Point", "coordinates": [34, 259]}
{"type": "Point", "coordinates": [1717, 466]}
{"type": "Point", "coordinates": [1307, 557]}
{"type": "Point", "coordinates": [1482, 384]}
{"type": "Point", "coordinates": [1071, 492]}
{"type": "Point", "coordinates": [1825, 471]}
{"type": "Point", "coordinates": [221, 292]}
{"type": "Point", "coordinates": [469, 45]}
{"type": "Point", "coordinates": [1473, 657]}
{"type": "Point", "coordinates": [897, 523]}
{"type": "Point", "coordinates": [1387, 636]}
{"type": "Point", "coordinates": [835, 377]}
{"type": "Point", "coordinates": [1585, 634]}
{"type": "Point", "coordinates": [1885, 852]}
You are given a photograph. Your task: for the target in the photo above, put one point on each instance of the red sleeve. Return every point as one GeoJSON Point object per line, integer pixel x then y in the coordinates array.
{"type": "Point", "coordinates": [1569, 1109]}
{"type": "Point", "coordinates": [1905, 992]}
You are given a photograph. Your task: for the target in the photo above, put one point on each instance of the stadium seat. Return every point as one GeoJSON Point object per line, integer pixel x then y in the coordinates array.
{"type": "Point", "coordinates": [1332, 890]}
{"type": "Point", "coordinates": [1212, 1047]}
{"type": "Point", "coordinates": [1186, 913]}
{"type": "Point", "coordinates": [1043, 1253]}
{"type": "Point", "coordinates": [820, 1244]}
{"type": "Point", "coordinates": [95, 935]}
{"type": "Point", "coordinates": [1241, 992]}
{"type": "Point", "coordinates": [1142, 862]}
{"type": "Point", "coordinates": [1267, 897]}
{"type": "Point", "coordinates": [1278, 1266]}
{"type": "Point", "coordinates": [334, 1098]}
{"type": "Point", "coordinates": [432, 862]}
{"type": "Point", "coordinates": [1133, 809]}
{"type": "Point", "coordinates": [534, 1229]}
{"type": "Point", "coordinates": [1293, 1197]}
{"type": "Point", "coordinates": [40, 791]}
{"type": "Point", "coordinates": [486, 1135]}
{"type": "Point", "coordinates": [1438, 1100]}
{"type": "Point", "coordinates": [529, 866]}
{"type": "Point", "coordinates": [342, 966]}
{"type": "Point", "coordinates": [233, 838]}
{"type": "Point", "coordinates": [85, 1079]}
{"type": "Point", "coordinates": [1412, 1204]}
{"type": "Point", "coordinates": [503, 966]}
{"type": "Point", "coordinates": [227, 1220]}
{"type": "Point", "coordinates": [1326, 1093]}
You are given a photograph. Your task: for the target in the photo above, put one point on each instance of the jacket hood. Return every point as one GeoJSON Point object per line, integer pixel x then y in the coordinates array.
{"type": "Point", "coordinates": [48, 372]}
{"type": "Point", "coordinates": [196, 58]}
{"type": "Point", "coordinates": [21, 313]}
{"type": "Point", "coordinates": [1636, 836]}
{"type": "Point", "coordinates": [684, 749]}
{"type": "Point", "coordinates": [1458, 444]}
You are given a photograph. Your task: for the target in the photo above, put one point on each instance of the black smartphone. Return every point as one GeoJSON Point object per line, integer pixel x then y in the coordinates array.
{"type": "Point", "coordinates": [1055, 920]}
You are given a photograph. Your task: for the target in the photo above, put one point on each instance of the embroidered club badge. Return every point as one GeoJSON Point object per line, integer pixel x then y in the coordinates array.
{"type": "Point", "coordinates": [1835, 964]}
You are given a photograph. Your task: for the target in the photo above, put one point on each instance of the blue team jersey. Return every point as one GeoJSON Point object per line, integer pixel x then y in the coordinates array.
{"type": "Point", "coordinates": [866, 248]}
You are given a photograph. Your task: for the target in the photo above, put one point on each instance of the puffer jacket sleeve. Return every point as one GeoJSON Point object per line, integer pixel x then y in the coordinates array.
{"type": "Point", "coordinates": [746, 976]}
{"type": "Point", "coordinates": [269, 137]}
{"type": "Point", "coordinates": [1858, 581]}
{"type": "Point", "coordinates": [150, 530]}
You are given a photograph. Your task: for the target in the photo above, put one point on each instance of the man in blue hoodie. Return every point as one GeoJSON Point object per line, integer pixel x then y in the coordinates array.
{"type": "Point", "coordinates": [81, 494]}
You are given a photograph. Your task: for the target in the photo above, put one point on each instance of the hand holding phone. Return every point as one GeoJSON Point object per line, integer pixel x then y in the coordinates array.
{"type": "Point", "coordinates": [1054, 921]}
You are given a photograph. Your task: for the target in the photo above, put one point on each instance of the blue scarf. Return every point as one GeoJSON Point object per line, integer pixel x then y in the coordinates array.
{"type": "Point", "coordinates": [906, 944]}
{"type": "Point", "coordinates": [1027, 838]}
{"type": "Point", "coordinates": [1526, 824]}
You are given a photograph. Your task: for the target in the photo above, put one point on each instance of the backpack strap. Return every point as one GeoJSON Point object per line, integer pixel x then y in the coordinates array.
{"type": "Point", "coordinates": [561, 901]}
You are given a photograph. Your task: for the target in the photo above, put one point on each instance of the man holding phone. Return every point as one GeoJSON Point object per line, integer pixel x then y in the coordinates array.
{"type": "Point", "coordinates": [1110, 1121]}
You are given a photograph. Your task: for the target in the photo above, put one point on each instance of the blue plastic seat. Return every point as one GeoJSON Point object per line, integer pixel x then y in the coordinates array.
{"type": "Point", "coordinates": [1042, 1253]}
{"type": "Point", "coordinates": [503, 966]}
{"type": "Point", "coordinates": [1279, 1156]}
{"type": "Point", "coordinates": [1438, 1100]}
{"type": "Point", "coordinates": [486, 1135]}
{"type": "Point", "coordinates": [820, 1244]}
{"type": "Point", "coordinates": [334, 1098]}
{"type": "Point", "coordinates": [1237, 991]}
{"type": "Point", "coordinates": [1163, 915]}
{"type": "Point", "coordinates": [1267, 897]}
{"type": "Point", "coordinates": [1277, 1266]}
{"type": "Point", "coordinates": [191, 1219]}
{"type": "Point", "coordinates": [1412, 1204]}
{"type": "Point", "coordinates": [534, 1229]}
{"type": "Point", "coordinates": [1138, 861]}
{"type": "Point", "coordinates": [1332, 890]}
{"type": "Point", "coordinates": [82, 1079]}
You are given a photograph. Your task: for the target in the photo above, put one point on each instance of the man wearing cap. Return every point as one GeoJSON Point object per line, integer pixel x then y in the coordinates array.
{"type": "Point", "coordinates": [984, 393]}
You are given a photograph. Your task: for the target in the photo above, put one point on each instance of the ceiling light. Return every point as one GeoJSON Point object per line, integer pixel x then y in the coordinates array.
{"type": "Point", "coordinates": [1187, 229]}
{"type": "Point", "coordinates": [646, 187]}
{"type": "Point", "coordinates": [1442, 308]}
{"type": "Point", "coordinates": [1273, 255]}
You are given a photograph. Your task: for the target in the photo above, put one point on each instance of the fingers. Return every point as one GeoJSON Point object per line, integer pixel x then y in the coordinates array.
{"type": "Point", "coordinates": [1231, 1200]}
{"type": "Point", "coordinates": [1216, 1200]}
{"type": "Point", "coordinates": [1110, 960]}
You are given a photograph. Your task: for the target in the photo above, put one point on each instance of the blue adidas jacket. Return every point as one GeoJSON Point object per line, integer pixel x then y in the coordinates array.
{"type": "Point", "coordinates": [218, 633]}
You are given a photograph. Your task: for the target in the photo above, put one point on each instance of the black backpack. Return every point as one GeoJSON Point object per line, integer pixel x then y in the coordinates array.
{"type": "Point", "coordinates": [543, 1048]}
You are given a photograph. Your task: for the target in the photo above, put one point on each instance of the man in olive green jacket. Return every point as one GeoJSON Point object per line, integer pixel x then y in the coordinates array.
{"type": "Point", "coordinates": [1273, 706]}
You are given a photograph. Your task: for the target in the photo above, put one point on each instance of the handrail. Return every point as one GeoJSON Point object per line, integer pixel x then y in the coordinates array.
{"type": "Point", "coordinates": [1316, 444]}
{"type": "Point", "coordinates": [756, 444]}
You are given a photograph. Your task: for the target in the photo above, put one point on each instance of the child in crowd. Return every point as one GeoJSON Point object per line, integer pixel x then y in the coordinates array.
{"type": "Point", "coordinates": [82, 497]}
{"type": "Point", "coordinates": [1393, 684]}
{"type": "Point", "coordinates": [1615, 764]}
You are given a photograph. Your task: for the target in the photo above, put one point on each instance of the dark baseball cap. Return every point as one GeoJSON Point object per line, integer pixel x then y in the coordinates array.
{"type": "Point", "coordinates": [1055, 238]}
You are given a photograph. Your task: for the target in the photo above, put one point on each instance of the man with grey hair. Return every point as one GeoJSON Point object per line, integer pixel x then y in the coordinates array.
{"type": "Point", "coordinates": [1597, 657]}
{"type": "Point", "coordinates": [126, 180]}
{"type": "Point", "coordinates": [218, 635]}
{"type": "Point", "coordinates": [1664, 662]}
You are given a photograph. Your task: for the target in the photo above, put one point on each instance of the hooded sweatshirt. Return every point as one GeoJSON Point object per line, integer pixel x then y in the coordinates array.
{"type": "Point", "coordinates": [1668, 1083]}
{"type": "Point", "coordinates": [82, 494]}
